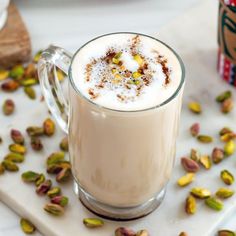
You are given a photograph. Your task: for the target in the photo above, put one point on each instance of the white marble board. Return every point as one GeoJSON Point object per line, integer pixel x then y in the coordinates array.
{"type": "Point", "coordinates": [193, 35]}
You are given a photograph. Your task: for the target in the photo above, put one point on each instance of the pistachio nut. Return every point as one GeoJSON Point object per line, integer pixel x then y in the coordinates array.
{"type": "Point", "coordinates": [17, 136]}
{"type": "Point", "coordinates": [40, 180]}
{"type": "Point", "coordinates": [223, 96]}
{"type": "Point", "coordinates": [142, 232]}
{"type": "Point", "coordinates": [117, 79]}
{"type": "Point", "coordinates": [4, 74]}
{"type": "Point", "coordinates": [17, 148]}
{"type": "Point", "coordinates": [93, 222]}
{"type": "Point", "coordinates": [136, 75]}
{"type": "Point", "coordinates": [29, 176]}
{"type": "Point", "coordinates": [56, 168]}
{"type": "Point", "coordinates": [183, 234]}
{"type": "Point", "coordinates": [229, 148]}
{"type": "Point", "coordinates": [48, 127]}
{"type": "Point", "coordinates": [138, 59]}
{"type": "Point", "coordinates": [225, 232]}
{"type": "Point", "coordinates": [195, 155]}
{"type": "Point", "coordinates": [224, 192]}
{"type": "Point", "coordinates": [205, 161]}
{"type": "Point", "coordinates": [123, 231]}
{"type": "Point", "coordinates": [116, 58]}
{"type": "Point", "coordinates": [63, 175]}
{"type": "Point", "coordinates": [14, 157]}
{"type": "Point", "coordinates": [37, 56]}
{"type": "Point", "coordinates": [17, 72]}
{"type": "Point", "coordinates": [30, 92]}
{"type": "Point", "coordinates": [10, 166]}
{"type": "Point", "coordinates": [60, 200]}
{"type": "Point", "coordinates": [26, 226]}
{"type": "Point", "coordinates": [186, 179]}
{"type": "Point", "coordinates": [55, 157]}
{"type": "Point", "coordinates": [217, 155]}
{"type": "Point", "coordinates": [55, 191]}
{"type": "Point", "coordinates": [2, 169]}
{"type": "Point", "coordinates": [214, 203]}
{"type": "Point", "coordinates": [195, 129]}
{"type": "Point", "coordinates": [29, 82]}
{"type": "Point", "coordinates": [227, 137]}
{"type": "Point", "coordinates": [195, 107]}
{"type": "Point", "coordinates": [10, 86]}
{"type": "Point", "coordinates": [54, 209]}
{"type": "Point", "coordinates": [227, 177]}
{"type": "Point", "coordinates": [225, 130]}
{"type": "Point", "coordinates": [204, 138]}
{"type": "Point", "coordinates": [64, 144]}
{"type": "Point", "coordinates": [200, 192]}
{"type": "Point", "coordinates": [44, 187]}
{"type": "Point", "coordinates": [36, 143]}
{"type": "Point", "coordinates": [8, 107]}
{"type": "Point", "coordinates": [190, 205]}
{"type": "Point", "coordinates": [189, 165]}
{"type": "Point", "coordinates": [34, 131]}
{"type": "Point", "coordinates": [30, 71]}
{"type": "Point", "coordinates": [227, 105]}
{"type": "Point", "coordinates": [60, 75]}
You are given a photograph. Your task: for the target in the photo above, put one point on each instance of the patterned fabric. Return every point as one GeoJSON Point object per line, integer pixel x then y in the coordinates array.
{"type": "Point", "coordinates": [227, 69]}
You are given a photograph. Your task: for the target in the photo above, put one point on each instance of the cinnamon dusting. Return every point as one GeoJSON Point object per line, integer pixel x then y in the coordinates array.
{"type": "Point", "coordinates": [114, 75]}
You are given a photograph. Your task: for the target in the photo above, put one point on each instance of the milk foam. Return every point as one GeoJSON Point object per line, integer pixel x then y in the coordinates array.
{"type": "Point", "coordinates": [116, 95]}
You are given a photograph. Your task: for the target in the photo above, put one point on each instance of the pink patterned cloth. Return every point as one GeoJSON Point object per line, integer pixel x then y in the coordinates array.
{"type": "Point", "coordinates": [230, 2]}
{"type": "Point", "coordinates": [225, 67]}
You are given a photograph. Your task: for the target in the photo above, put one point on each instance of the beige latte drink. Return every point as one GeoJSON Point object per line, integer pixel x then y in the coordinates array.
{"type": "Point", "coordinates": [121, 117]}
{"type": "Point", "coordinates": [125, 102]}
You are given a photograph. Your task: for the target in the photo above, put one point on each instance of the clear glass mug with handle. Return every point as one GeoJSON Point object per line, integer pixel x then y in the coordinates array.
{"type": "Point", "coordinates": [121, 160]}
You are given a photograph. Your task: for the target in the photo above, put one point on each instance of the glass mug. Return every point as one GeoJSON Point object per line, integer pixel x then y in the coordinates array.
{"type": "Point", "coordinates": [121, 160]}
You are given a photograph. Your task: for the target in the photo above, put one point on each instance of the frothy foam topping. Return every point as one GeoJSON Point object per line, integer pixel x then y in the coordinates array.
{"type": "Point", "coordinates": [126, 72]}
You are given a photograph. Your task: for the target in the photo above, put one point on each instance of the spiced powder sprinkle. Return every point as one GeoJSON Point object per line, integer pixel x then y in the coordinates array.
{"type": "Point", "coordinates": [127, 84]}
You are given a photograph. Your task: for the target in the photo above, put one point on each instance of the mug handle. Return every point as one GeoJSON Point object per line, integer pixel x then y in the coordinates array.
{"type": "Point", "coordinates": [51, 58]}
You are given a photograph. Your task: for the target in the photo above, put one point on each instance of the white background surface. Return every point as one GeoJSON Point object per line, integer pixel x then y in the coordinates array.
{"type": "Point", "coordinates": [73, 22]}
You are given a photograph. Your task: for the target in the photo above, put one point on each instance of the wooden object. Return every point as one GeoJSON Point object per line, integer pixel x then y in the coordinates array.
{"type": "Point", "coordinates": [15, 46]}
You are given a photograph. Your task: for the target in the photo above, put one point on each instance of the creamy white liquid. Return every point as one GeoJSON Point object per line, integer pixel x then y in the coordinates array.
{"type": "Point", "coordinates": [152, 95]}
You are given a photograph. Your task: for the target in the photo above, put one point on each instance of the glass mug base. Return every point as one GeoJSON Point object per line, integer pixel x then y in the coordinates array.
{"type": "Point", "coordinates": [118, 213]}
